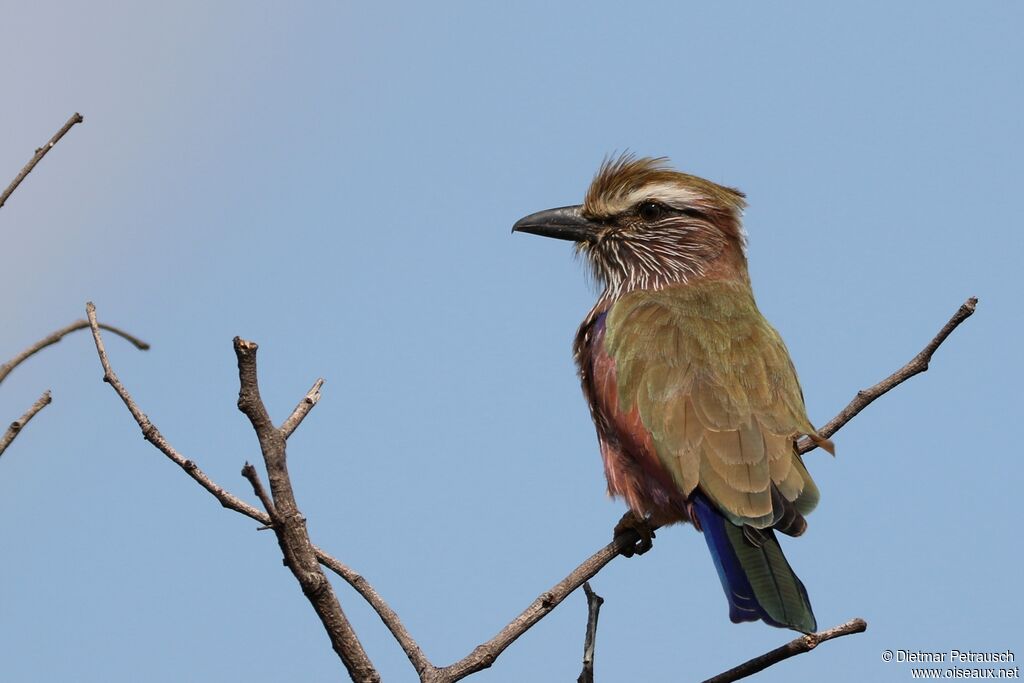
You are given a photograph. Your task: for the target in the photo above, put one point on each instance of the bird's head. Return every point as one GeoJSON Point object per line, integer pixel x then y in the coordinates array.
{"type": "Point", "coordinates": [644, 225]}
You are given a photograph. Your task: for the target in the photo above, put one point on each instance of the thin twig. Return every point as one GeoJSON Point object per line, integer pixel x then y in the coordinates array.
{"type": "Point", "coordinates": [305, 405]}
{"type": "Point", "coordinates": [594, 602]}
{"type": "Point", "coordinates": [15, 428]}
{"type": "Point", "coordinates": [917, 365]}
{"type": "Point", "coordinates": [485, 654]}
{"type": "Point", "coordinates": [797, 646]}
{"type": "Point", "coordinates": [53, 338]}
{"type": "Point", "coordinates": [151, 434]}
{"type": "Point", "coordinates": [250, 473]}
{"type": "Point", "coordinates": [358, 582]}
{"type": "Point", "coordinates": [40, 153]}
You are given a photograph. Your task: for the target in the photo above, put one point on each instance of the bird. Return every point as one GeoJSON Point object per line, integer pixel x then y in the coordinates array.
{"type": "Point", "coordinates": [693, 394]}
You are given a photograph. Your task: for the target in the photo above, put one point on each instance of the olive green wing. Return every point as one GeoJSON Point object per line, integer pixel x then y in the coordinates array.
{"type": "Point", "coordinates": [713, 383]}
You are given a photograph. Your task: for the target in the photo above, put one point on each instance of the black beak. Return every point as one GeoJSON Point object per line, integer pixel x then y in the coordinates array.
{"type": "Point", "coordinates": [565, 223]}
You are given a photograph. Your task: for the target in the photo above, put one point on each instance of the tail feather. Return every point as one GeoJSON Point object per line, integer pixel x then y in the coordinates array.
{"type": "Point", "coordinates": [757, 578]}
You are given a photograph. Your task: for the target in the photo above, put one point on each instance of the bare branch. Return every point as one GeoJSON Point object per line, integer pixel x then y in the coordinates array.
{"type": "Point", "coordinates": [151, 434]}
{"type": "Point", "coordinates": [412, 650]}
{"type": "Point", "coordinates": [797, 646]}
{"type": "Point", "coordinates": [594, 602]}
{"type": "Point", "coordinates": [226, 499]}
{"type": "Point", "coordinates": [40, 153]}
{"type": "Point", "coordinates": [485, 654]}
{"type": "Point", "coordinates": [292, 532]}
{"type": "Point", "coordinates": [15, 428]}
{"type": "Point", "coordinates": [917, 365]}
{"type": "Point", "coordinates": [302, 410]}
{"type": "Point", "coordinates": [290, 525]}
{"type": "Point", "coordinates": [55, 337]}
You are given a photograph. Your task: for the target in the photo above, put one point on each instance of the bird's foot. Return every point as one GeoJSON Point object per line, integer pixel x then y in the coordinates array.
{"type": "Point", "coordinates": [639, 526]}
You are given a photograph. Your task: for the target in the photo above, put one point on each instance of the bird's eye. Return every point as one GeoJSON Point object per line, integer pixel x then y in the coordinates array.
{"type": "Point", "coordinates": [650, 211]}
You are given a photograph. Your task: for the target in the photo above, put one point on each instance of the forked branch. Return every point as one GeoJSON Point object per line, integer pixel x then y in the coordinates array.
{"type": "Point", "coordinates": [288, 523]}
{"type": "Point", "coordinates": [232, 502]}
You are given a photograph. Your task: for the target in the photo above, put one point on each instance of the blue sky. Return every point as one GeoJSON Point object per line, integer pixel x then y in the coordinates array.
{"type": "Point", "coordinates": [338, 181]}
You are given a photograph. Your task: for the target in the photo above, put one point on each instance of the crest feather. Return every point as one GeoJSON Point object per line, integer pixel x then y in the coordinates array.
{"type": "Point", "coordinates": [620, 177]}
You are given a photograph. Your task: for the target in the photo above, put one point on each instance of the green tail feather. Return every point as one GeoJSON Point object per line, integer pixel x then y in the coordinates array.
{"type": "Point", "coordinates": [776, 587]}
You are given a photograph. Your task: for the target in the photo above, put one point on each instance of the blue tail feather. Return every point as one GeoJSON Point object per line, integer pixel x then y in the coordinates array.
{"type": "Point", "coordinates": [743, 605]}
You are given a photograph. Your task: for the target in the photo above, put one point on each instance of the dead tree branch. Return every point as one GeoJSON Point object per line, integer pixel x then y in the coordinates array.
{"type": "Point", "coordinates": [15, 428]}
{"type": "Point", "coordinates": [290, 526]}
{"type": "Point", "coordinates": [594, 602]}
{"type": "Point", "coordinates": [797, 646]}
{"type": "Point", "coordinates": [53, 338]}
{"type": "Point", "coordinates": [151, 434]}
{"type": "Point", "coordinates": [484, 655]}
{"type": "Point", "coordinates": [40, 153]}
{"type": "Point", "coordinates": [394, 624]}
{"type": "Point", "coordinates": [916, 366]}
{"type": "Point", "coordinates": [232, 502]}
{"type": "Point", "coordinates": [272, 441]}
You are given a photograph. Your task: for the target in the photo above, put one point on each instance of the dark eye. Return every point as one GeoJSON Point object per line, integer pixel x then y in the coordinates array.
{"type": "Point", "coordinates": [650, 211]}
